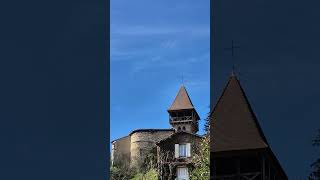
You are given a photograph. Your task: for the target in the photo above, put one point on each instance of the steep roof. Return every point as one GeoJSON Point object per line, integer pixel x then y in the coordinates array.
{"type": "Point", "coordinates": [182, 101]}
{"type": "Point", "coordinates": [234, 126]}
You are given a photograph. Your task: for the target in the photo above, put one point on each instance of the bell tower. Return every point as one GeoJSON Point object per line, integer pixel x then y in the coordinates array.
{"type": "Point", "coordinates": [182, 114]}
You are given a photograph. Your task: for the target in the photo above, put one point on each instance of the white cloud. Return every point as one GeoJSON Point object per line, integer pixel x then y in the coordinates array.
{"type": "Point", "coordinates": [142, 30]}
{"type": "Point", "coordinates": [201, 57]}
{"type": "Point", "coordinates": [160, 61]}
{"type": "Point", "coordinates": [169, 44]}
{"type": "Point", "coordinates": [160, 49]}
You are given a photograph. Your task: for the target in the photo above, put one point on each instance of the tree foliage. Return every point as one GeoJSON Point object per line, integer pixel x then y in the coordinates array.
{"type": "Point", "coordinates": [120, 173]}
{"type": "Point", "coordinates": [144, 170]}
{"type": "Point", "coordinates": [201, 162]}
{"type": "Point", "coordinates": [201, 159]}
{"type": "Point", "coordinates": [149, 175]}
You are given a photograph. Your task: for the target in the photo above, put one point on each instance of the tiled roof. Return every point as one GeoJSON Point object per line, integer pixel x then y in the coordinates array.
{"type": "Point", "coordinates": [182, 101]}
{"type": "Point", "coordinates": [234, 126]}
{"type": "Point", "coordinates": [150, 130]}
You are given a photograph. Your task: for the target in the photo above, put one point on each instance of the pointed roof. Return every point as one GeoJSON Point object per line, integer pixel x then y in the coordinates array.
{"type": "Point", "coordinates": [182, 100]}
{"type": "Point", "coordinates": [234, 126]}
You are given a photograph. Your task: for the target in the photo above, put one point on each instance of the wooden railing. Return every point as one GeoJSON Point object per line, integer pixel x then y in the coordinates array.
{"type": "Point", "coordinates": [180, 119]}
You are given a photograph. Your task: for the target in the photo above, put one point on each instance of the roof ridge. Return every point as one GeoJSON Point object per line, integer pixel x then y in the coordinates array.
{"type": "Point", "coordinates": [149, 130]}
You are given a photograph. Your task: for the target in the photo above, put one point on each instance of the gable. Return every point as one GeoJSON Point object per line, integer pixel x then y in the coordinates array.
{"type": "Point", "coordinates": [180, 137]}
{"type": "Point", "coordinates": [233, 124]}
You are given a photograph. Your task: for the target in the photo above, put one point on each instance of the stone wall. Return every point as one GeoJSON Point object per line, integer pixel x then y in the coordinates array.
{"type": "Point", "coordinates": [144, 141]}
{"type": "Point", "coordinates": [121, 150]}
{"type": "Point", "coordinates": [180, 138]}
{"type": "Point", "coordinates": [188, 127]}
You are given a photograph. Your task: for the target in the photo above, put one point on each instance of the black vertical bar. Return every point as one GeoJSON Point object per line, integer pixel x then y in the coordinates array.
{"type": "Point", "coordinates": [263, 169]}
{"type": "Point", "coordinates": [269, 173]}
{"type": "Point", "coordinates": [238, 168]}
{"type": "Point", "coordinates": [232, 48]}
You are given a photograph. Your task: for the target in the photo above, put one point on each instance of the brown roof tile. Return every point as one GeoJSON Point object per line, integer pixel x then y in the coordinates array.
{"type": "Point", "coordinates": [234, 126]}
{"type": "Point", "coordinates": [233, 123]}
{"type": "Point", "coordinates": [182, 101]}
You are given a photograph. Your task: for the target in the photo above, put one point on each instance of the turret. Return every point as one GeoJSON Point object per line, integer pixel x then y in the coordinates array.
{"type": "Point", "coordinates": [182, 114]}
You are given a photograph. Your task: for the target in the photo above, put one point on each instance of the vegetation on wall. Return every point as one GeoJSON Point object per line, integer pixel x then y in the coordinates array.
{"type": "Point", "coordinates": [201, 159]}
{"type": "Point", "coordinates": [152, 174]}
{"type": "Point", "coordinates": [144, 170]}
{"type": "Point", "coordinates": [201, 162]}
{"type": "Point", "coordinates": [121, 170]}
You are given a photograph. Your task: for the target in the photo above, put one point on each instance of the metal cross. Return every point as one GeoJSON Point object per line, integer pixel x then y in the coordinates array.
{"type": "Point", "coordinates": [232, 48]}
{"type": "Point", "coordinates": [182, 78]}
{"type": "Point", "coordinates": [233, 70]}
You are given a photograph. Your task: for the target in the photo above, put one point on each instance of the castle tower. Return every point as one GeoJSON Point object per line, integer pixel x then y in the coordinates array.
{"type": "Point", "coordinates": [182, 114]}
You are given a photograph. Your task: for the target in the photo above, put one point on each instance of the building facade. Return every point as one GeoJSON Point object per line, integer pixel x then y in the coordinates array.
{"type": "Point", "coordinates": [174, 147]}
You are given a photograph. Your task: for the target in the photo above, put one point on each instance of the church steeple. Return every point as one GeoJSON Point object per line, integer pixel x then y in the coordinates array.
{"type": "Point", "coordinates": [238, 143]}
{"type": "Point", "coordinates": [234, 125]}
{"type": "Point", "coordinates": [182, 114]}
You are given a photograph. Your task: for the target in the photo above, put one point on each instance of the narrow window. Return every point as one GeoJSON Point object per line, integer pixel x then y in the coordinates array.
{"type": "Point", "coordinates": [182, 150]}
{"type": "Point", "coordinates": [182, 173]}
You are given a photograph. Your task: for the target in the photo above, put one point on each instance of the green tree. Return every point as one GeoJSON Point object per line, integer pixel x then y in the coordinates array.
{"type": "Point", "coordinates": [149, 175]}
{"type": "Point", "coordinates": [201, 162]}
{"type": "Point", "coordinates": [121, 170]}
{"type": "Point", "coordinates": [145, 169]}
{"type": "Point", "coordinates": [201, 159]}
{"type": "Point", "coordinates": [117, 173]}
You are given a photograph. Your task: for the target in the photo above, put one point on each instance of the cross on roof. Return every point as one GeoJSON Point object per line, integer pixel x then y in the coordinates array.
{"type": "Point", "coordinates": [233, 70]}
{"type": "Point", "coordinates": [182, 79]}
{"type": "Point", "coordinates": [232, 48]}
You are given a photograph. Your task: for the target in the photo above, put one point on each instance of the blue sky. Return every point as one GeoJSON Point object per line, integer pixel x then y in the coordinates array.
{"type": "Point", "coordinates": [152, 44]}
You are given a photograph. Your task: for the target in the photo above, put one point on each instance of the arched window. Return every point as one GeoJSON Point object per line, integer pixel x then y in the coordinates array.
{"type": "Point", "coordinates": [183, 128]}
{"type": "Point", "coordinates": [179, 128]}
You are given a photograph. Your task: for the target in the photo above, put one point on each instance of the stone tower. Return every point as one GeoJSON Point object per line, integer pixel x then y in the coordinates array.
{"type": "Point", "coordinates": [182, 114]}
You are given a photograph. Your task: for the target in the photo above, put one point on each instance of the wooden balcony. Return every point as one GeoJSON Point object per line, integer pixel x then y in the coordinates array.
{"type": "Point", "coordinates": [181, 119]}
